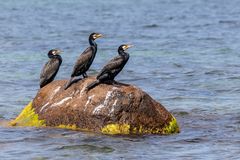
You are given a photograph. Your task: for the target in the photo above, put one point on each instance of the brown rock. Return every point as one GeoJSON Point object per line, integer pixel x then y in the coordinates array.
{"type": "Point", "coordinates": [111, 109]}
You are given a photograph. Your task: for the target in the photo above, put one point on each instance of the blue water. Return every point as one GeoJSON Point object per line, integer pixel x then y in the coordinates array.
{"type": "Point", "coordinates": [186, 56]}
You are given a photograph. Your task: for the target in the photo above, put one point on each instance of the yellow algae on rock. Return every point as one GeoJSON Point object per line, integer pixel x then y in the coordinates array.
{"type": "Point", "coordinates": [28, 117]}
{"type": "Point", "coordinates": [112, 129]}
{"type": "Point", "coordinates": [69, 126]}
{"type": "Point", "coordinates": [172, 127]}
{"type": "Point", "coordinates": [116, 129]}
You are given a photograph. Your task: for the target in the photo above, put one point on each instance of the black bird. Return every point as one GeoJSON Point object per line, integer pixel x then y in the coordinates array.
{"type": "Point", "coordinates": [85, 60]}
{"type": "Point", "coordinates": [51, 68]}
{"type": "Point", "coordinates": [113, 67]}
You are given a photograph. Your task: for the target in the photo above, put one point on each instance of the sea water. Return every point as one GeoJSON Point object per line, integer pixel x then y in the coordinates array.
{"type": "Point", "coordinates": [186, 56]}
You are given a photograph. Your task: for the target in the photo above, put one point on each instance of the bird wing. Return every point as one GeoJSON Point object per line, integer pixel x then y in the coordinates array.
{"type": "Point", "coordinates": [112, 65]}
{"type": "Point", "coordinates": [49, 70]}
{"type": "Point", "coordinates": [82, 61]}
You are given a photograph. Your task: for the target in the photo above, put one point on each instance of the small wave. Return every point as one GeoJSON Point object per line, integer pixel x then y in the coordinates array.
{"type": "Point", "coordinates": [234, 77]}
{"type": "Point", "coordinates": [180, 113]}
{"type": "Point", "coordinates": [195, 140]}
{"type": "Point", "coordinates": [214, 72]}
{"type": "Point", "coordinates": [209, 39]}
{"type": "Point", "coordinates": [177, 65]}
{"type": "Point", "coordinates": [151, 26]}
{"type": "Point", "coordinates": [228, 22]}
{"type": "Point", "coordinates": [89, 148]}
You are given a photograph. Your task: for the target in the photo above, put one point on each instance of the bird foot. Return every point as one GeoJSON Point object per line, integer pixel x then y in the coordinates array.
{"type": "Point", "coordinates": [72, 81]}
{"type": "Point", "coordinates": [85, 75]}
{"type": "Point", "coordinates": [112, 82]}
{"type": "Point", "coordinates": [115, 83]}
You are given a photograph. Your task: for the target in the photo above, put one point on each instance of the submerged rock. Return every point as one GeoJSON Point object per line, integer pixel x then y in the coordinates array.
{"type": "Point", "coordinates": [109, 109]}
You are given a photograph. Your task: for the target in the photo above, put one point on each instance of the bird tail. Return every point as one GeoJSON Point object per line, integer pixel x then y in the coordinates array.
{"type": "Point", "coordinates": [69, 83]}
{"type": "Point", "coordinates": [92, 85]}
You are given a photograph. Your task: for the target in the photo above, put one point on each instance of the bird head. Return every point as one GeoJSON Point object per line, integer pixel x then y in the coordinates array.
{"type": "Point", "coordinates": [94, 36]}
{"type": "Point", "coordinates": [125, 47]}
{"type": "Point", "coordinates": [54, 52]}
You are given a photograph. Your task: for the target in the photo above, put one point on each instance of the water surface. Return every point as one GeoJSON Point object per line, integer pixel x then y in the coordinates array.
{"type": "Point", "coordinates": [186, 56]}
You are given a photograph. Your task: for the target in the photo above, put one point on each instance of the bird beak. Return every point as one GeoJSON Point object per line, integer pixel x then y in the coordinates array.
{"type": "Point", "coordinates": [59, 51]}
{"type": "Point", "coordinates": [129, 46]}
{"type": "Point", "coordinates": [99, 35]}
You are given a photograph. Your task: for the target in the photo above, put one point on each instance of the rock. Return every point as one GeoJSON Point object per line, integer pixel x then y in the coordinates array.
{"type": "Point", "coordinates": [109, 109]}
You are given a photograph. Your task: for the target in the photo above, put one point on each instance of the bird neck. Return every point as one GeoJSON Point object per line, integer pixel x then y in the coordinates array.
{"type": "Point", "coordinates": [122, 52]}
{"type": "Point", "coordinates": [92, 42]}
{"type": "Point", "coordinates": [55, 56]}
{"type": "Point", "coordinates": [93, 45]}
{"type": "Point", "coordinates": [50, 55]}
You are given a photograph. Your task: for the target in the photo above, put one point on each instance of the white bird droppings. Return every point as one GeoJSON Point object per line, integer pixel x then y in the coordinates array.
{"type": "Point", "coordinates": [88, 101]}
{"type": "Point", "coordinates": [113, 106]}
{"type": "Point", "coordinates": [44, 106]}
{"type": "Point", "coordinates": [61, 102]}
{"type": "Point", "coordinates": [82, 91]}
{"type": "Point", "coordinates": [54, 92]}
{"type": "Point", "coordinates": [106, 101]}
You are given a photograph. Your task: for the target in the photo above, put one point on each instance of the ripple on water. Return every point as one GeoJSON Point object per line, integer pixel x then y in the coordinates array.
{"type": "Point", "coordinates": [88, 148]}
{"type": "Point", "coordinates": [151, 26]}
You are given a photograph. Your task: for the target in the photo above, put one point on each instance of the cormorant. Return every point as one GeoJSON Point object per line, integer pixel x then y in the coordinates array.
{"type": "Point", "coordinates": [51, 68]}
{"type": "Point", "coordinates": [113, 67]}
{"type": "Point", "coordinates": [85, 60]}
